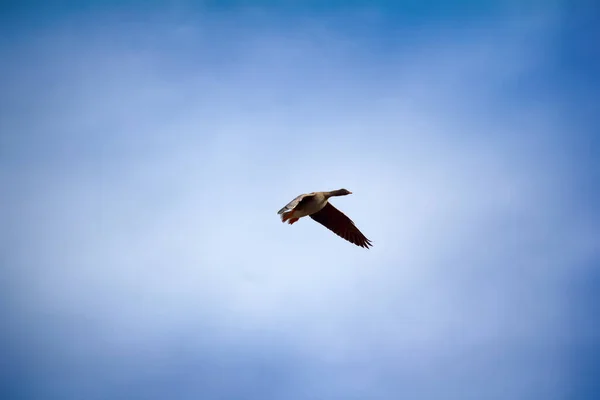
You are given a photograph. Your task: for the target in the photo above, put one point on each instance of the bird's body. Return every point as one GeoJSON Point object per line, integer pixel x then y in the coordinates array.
{"type": "Point", "coordinates": [317, 206]}
{"type": "Point", "coordinates": [303, 206]}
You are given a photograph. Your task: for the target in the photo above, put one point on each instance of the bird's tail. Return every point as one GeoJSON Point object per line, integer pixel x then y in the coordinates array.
{"type": "Point", "coordinates": [289, 215]}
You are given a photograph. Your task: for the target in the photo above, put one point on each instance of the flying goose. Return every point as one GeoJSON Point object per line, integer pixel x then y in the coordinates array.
{"type": "Point", "coordinates": [317, 206]}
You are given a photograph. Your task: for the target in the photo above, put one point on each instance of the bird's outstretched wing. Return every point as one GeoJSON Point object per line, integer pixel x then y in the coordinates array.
{"type": "Point", "coordinates": [337, 222]}
{"type": "Point", "coordinates": [292, 204]}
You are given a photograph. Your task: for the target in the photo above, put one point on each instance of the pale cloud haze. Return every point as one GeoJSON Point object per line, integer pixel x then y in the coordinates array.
{"type": "Point", "coordinates": [143, 164]}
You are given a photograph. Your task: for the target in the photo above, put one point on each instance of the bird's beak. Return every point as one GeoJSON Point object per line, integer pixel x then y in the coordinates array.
{"type": "Point", "coordinates": [349, 192]}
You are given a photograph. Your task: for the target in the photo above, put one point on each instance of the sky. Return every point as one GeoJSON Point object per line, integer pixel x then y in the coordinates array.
{"type": "Point", "coordinates": [145, 149]}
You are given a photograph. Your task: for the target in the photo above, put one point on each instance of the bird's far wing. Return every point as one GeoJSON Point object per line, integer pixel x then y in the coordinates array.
{"type": "Point", "coordinates": [292, 204]}
{"type": "Point", "coordinates": [337, 222]}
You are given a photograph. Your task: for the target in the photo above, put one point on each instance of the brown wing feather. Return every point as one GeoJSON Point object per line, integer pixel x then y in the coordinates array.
{"type": "Point", "coordinates": [337, 222]}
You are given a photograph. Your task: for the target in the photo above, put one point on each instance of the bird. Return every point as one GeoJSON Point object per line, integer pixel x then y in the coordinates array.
{"type": "Point", "coordinates": [316, 205]}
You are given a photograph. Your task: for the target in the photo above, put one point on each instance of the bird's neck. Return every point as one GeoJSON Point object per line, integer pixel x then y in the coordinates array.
{"type": "Point", "coordinates": [333, 193]}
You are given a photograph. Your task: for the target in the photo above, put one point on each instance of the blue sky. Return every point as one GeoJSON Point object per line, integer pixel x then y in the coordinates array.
{"type": "Point", "coordinates": [145, 151]}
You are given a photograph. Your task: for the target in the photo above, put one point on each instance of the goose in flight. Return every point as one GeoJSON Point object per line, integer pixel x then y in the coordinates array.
{"type": "Point", "coordinates": [316, 205]}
